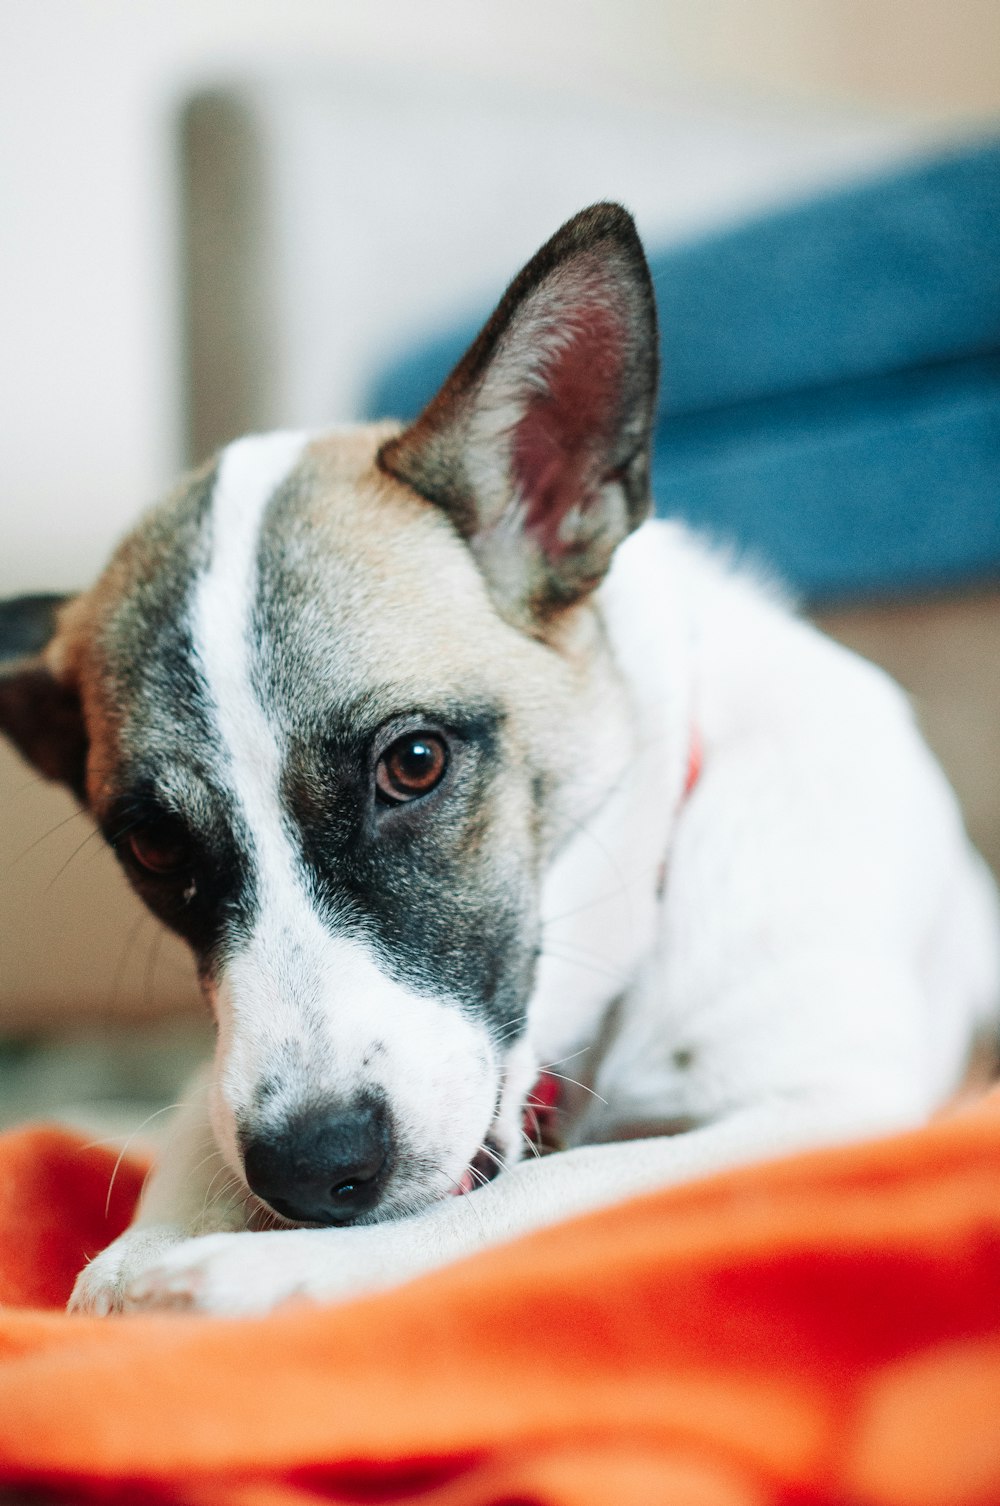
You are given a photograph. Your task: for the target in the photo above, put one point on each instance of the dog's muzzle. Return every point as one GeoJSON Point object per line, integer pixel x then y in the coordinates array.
{"type": "Point", "coordinates": [322, 1167]}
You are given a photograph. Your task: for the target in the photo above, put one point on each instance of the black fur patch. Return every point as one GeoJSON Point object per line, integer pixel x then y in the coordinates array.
{"type": "Point", "coordinates": [172, 766]}
{"type": "Point", "coordinates": [418, 879]}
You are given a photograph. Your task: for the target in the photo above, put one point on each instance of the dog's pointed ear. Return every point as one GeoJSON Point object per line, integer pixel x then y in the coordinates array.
{"type": "Point", "coordinates": [538, 444]}
{"type": "Point", "coordinates": [41, 715]}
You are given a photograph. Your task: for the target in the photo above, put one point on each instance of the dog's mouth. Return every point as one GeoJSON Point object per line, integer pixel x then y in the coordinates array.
{"type": "Point", "coordinates": [487, 1163]}
{"type": "Point", "coordinates": [541, 1130]}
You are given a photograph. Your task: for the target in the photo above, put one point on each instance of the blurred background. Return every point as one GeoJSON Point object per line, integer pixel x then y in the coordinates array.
{"type": "Point", "coordinates": [222, 216]}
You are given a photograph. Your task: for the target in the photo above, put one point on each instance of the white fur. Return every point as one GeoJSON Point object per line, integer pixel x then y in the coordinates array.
{"type": "Point", "coordinates": [600, 908]}
{"type": "Point", "coordinates": [824, 954]}
{"type": "Point", "coordinates": [294, 986]}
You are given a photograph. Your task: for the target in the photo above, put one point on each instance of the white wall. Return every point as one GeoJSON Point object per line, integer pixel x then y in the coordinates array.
{"type": "Point", "coordinates": [88, 357]}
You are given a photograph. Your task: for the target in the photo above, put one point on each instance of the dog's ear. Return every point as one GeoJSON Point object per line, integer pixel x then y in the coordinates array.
{"type": "Point", "coordinates": [537, 445]}
{"type": "Point", "coordinates": [41, 716]}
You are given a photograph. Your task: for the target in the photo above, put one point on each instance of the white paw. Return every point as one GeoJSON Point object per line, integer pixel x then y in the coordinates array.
{"type": "Point", "coordinates": [101, 1286]}
{"type": "Point", "coordinates": [216, 1273]}
{"type": "Point", "coordinates": [157, 1269]}
{"type": "Point", "coordinates": [247, 1274]}
{"type": "Point", "coordinates": [227, 1274]}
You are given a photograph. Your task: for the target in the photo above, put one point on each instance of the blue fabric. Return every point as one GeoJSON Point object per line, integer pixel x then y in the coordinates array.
{"type": "Point", "coordinates": [889, 487]}
{"type": "Point", "coordinates": [831, 383]}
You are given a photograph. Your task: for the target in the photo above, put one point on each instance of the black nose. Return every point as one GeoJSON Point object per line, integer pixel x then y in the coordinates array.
{"type": "Point", "coordinates": [324, 1167]}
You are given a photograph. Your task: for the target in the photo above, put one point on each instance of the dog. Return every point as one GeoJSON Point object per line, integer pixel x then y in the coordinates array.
{"type": "Point", "coordinates": [499, 819]}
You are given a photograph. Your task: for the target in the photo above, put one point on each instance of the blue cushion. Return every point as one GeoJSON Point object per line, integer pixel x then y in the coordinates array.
{"type": "Point", "coordinates": [831, 383]}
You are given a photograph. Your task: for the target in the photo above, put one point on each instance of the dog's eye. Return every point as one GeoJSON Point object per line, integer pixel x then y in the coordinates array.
{"type": "Point", "coordinates": [160, 848]}
{"type": "Point", "coordinates": [413, 766]}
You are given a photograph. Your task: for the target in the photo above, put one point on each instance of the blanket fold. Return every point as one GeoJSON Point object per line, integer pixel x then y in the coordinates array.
{"type": "Point", "coordinates": [821, 1329]}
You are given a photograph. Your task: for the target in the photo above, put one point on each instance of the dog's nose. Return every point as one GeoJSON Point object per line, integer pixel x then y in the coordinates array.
{"type": "Point", "coordinates": [321, 1168]}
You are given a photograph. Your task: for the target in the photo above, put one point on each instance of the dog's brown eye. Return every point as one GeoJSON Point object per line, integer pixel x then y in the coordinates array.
{"type": "Point", "coordinates": [412, 766]}
{"type": "Point", "coordinates": [159, 849]}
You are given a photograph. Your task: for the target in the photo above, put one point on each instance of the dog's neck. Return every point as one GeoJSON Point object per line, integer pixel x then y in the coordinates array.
{"type": "Point", "coordinates": [602, 890]}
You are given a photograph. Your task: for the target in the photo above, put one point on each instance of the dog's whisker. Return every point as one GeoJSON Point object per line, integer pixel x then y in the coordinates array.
{"type": "Point", "coordinates": [577, 1084]}
{"type": "Point", "coordinates": [150, 1169]}
{"type": "Point", "coordinates": [585, 953]}
{"type": "Point", "coordinates": [75, 853]}
{"type": "Point", "coordinates": [575, 910]}
{"type": "Point", "coordinates": [73, 816]}
{"type": "Point", "coordinates": [247, 1205]}
{"type": "Point", "coordinates": [617, 975]}
{"type": "Point", "coordinates": [126, 953]}
{"type": "Point", "coordinates": [622, 885]}
{"type": "Point", "coordinates": [472, 1204]}
{"type": "Point", "coordinates": [213, 1155]}
{"type": "Point", "coordinates": [103, 852]}
{"type": "Point", "coordinates": [109, 1140]}
{"type": "Point", "coordinates": [121, 1154]}
{"type": "Point", "coordinates": [565, 944]}
{"type": "Point", "coordinates": [229, 1185]}
{"type": "Point", "coordinates": [559, 1061]}
{"type": "Point", "coordinates": [225, 1191]}
{"type": "Point", "coordinates": [230, 1182]}
{"type": "Point", "coordinates": [221, 1170]}
{"type": "Point", "coordinates": [510, 1031]}
{"type": "Point", "coordinates": [149, 971]}
{"type": "Point", "coordinates": [203, 1211]}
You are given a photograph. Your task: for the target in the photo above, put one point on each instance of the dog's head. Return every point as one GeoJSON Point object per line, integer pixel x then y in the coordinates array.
{"type": "Point", "coordinates": [338, 701]}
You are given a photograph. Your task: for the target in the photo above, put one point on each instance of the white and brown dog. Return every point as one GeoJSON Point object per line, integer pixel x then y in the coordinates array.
{"type": "Point", "coordinates": [451, 772]}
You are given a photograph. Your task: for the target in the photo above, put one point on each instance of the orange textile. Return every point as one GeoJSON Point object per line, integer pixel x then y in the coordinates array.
{"type": "Point", "coordinates": [824, 1329]}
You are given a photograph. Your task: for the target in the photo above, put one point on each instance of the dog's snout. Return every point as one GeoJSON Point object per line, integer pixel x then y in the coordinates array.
{"type": "Point", "coordinates": [324, 1167]}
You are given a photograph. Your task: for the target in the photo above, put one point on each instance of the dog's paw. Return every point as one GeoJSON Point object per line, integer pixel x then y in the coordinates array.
{"type": "Point", "coordinates": [186, 1277]}
{"type": "Point", "coordinates": [233, 1274]}
{"type": "Point", "coordinates": [101, 1286]}
{"type": "Point", "coordinates": [248, 1274]}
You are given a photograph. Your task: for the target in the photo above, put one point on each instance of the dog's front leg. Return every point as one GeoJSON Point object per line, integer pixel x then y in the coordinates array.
{"type": "Point", "coordinates": [251, 1273]}
{"type": "Point", "coordinates": [192, 1191]}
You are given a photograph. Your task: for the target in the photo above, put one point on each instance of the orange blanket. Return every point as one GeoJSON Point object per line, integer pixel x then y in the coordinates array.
{"type": "Point", "coordinates": [821, 1330]}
